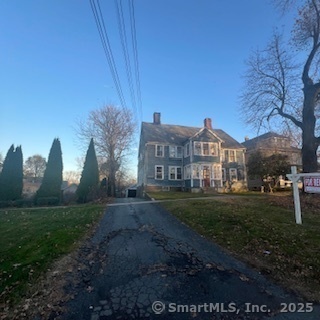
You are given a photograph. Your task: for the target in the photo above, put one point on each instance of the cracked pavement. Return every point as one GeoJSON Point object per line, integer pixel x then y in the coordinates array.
{"type": "Point", "coordinates": [142, 263]}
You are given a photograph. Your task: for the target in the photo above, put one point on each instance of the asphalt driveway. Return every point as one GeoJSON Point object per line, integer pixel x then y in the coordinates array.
{"type": "Point", "coordinates": [145, 264]}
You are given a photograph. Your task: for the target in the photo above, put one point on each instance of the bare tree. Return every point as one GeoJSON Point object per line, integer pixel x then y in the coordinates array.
{"type": "Point", "coordinates": [113, 130]}
{"type": "Point", "coordinates": [273, 82]}
{"type": "Point", "coordinates": [35, 166]}
{"type": "Point", "coordinates": [71, 176]}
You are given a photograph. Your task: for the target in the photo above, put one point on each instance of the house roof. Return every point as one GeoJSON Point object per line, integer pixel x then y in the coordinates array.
{"type": "Point", "coordinates": [174, 134]}
{"type": "Point", "coordinates": [251, 143]}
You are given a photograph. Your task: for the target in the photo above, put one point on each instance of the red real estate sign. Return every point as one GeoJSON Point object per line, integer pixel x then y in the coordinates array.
{"type": "Point", "coordinates": [312, 184]}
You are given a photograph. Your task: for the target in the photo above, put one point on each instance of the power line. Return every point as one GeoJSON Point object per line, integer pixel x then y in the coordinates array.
{"type": "Point", "coordinates": [107, 48]}
{"type": "Point", "coordinates": [135, 53]}
{"type": "Point", "coordinates": [96, 9]}
{"type": "Point", "coordinates": [124, 44]}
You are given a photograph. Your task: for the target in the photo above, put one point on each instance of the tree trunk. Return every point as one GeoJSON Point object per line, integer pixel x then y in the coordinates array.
{"type": "Point", "coordinates": [112, 183]}
{"type": "Point", "coordinates": [309, 143]}
{"type": "Point", "coordinates": [112, 176]}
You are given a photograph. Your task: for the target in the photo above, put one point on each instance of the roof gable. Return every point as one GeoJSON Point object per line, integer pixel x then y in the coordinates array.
{"type": "Point", "coordinates": [178, 135]}
{"type": "Point", "coordinates": [207, 134]}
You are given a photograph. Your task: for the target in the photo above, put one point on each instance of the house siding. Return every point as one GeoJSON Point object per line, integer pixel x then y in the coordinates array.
{"type": "Point", "coordinates": [171, 136]}
{"type": "Point", "coordinates": [164, 161]}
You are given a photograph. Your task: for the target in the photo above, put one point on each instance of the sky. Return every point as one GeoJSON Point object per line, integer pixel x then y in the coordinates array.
{"type": "Point", "coordinates": [191, 56]}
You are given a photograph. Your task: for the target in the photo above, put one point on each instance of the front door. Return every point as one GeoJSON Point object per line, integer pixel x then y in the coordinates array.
{"type": "Point", "coordinates": [206, 176]}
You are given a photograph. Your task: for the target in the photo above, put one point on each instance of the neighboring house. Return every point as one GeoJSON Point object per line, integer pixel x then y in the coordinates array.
{"type": "Point", "coordinates": [272, 143]}
{"type": "Point", "coordinates": [31, 186]}
{"type": "Point", "coordinates": [68, 188]}
{"type": "Point", "coordinates": [174, 157]}
{"type": "Point", "coordinates": [268, 144]}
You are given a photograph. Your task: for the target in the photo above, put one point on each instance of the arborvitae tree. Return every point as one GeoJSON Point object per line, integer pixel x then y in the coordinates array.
{"type": "Point", "coordinates": [17, 178]}
{"type": "Point", "coordinates": [11, 177]}
{"type": "Point", "coordinates": [89, 181]}
{"type": "Point", "coordinates": [52, 179]}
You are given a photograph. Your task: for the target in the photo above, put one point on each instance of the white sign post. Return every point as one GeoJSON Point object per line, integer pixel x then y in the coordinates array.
{"type": "Point", "coordinates": [314, 179]}
{"type": "Point", "coordinates": [294, 177]}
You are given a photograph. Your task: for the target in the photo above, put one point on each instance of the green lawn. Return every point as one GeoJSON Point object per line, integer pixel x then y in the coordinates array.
{"type": "Point", "coordinates": [262, 233]}
{"type": "Point", "coordinates": [31, 239]}
{"type": "Point", "coordinates": [162, 195]}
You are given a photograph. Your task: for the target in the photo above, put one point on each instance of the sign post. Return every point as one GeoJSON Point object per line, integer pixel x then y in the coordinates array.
{"type": "Point", "coordinates": [294, 177]}
{"type": "Point", "coordinates": [311, 184]}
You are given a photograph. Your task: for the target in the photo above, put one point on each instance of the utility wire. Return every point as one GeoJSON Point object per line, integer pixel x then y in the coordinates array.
{"type": "Point", "coordinates": [124, 44]}
{"type": "Point", "coordinates": [107, 48]}
{"type": "Point", "coordinates": [135, 53]}
{"type": "Point", "coordinates": [96, 9]}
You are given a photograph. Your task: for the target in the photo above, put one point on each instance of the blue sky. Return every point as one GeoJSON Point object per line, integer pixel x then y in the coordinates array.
{"type": "Point", "coordinates": [191, 57]}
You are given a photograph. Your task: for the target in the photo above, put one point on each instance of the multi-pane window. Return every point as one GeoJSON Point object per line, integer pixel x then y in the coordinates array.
{"type": "Point", "coordinates": [216, 170]}
{"type": "Point", "coordinates": [197, 148]}
{"type": "Point", "coordinates": [205, 148]}
{"type": "Point", "coordinates": [175, 173]}
{"type": "Point", "coordinates": [159, 172]}
{"type": "Point", "coordinates": [175, 152]}
{"type": "Point", "coordinates": [213, 149]}
{"type": "Point", "coordinates": [159, 150]}
{"type": "Point", "coordinates": [230, 156]}
{"type": "Point", "coordinates": [195, 171]}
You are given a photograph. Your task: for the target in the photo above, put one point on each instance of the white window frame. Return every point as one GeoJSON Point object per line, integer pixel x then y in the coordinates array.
{"type": "Point", "coordinates": [228, 151]}
{"type": "Point", "coordinates": [162, 150]}
{"type": "Point", "coordinates": [175, 168]}
{"type": "Point", "coordinates": [198, 144]}
{"type": "Point", "coordinates": [173, 152]}
{"type": "Point", "coordinates": [234, 154]}
{"type": "Point", "coordinates": [216, 172]}
{"type": "Point", "coordinates": [196, 171]}
{"type": "Point", "coordinates": [207, 149]}
{"type": "Point", "coordinates": [155, 172]}
{"type": "Point", "coordinates": [212, 146]}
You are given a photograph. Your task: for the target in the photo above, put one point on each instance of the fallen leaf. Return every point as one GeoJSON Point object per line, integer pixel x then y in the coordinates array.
{"type": "Point", "coordinates": [90, 289]}
{"type": "Point", "coordinates": [243, 278]}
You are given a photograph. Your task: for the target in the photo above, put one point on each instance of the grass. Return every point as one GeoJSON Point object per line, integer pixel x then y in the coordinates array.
{"type": "Point", "coordinates": [263, 234]}
{"type": "Point", "coordinates": [162, 195]}
{"type": "Point", "coordinates": [31, 239]}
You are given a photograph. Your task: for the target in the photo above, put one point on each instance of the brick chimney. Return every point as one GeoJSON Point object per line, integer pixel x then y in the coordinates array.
{"type": "Point", "coordinates": [156, 118]}
{"type": "Point", "coordinates": [207, 123]}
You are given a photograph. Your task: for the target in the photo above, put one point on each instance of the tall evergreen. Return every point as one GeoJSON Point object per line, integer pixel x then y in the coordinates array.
{"type": "Point", "coordinates": [90, 176]}
{"type": "Point", "coordinates": [17, 179]}
{"type": "Point", "coordinates": [52, 178]}
{"type": "Point", "coordinates": [11, 177]}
